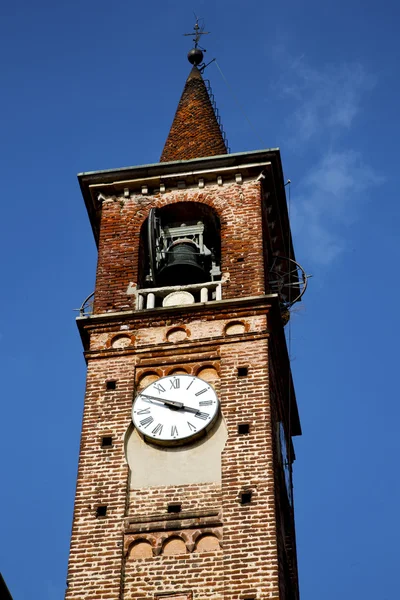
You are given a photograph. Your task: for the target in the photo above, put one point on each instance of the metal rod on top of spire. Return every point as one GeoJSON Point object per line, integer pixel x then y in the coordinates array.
{"type": "Point", "coordinates": [198, 32]}
{"type": "Point", "coordinates": [195, 55]}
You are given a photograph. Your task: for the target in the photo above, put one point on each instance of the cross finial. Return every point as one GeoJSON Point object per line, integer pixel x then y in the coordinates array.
{"type": "Point", "coordinates": [197, 33]}
{"type": "Point", "coordinates": [195, 56]}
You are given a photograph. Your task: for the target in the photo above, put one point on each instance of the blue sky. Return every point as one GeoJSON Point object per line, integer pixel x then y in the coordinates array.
{"type": "Point", "coordinates": [94, 85]}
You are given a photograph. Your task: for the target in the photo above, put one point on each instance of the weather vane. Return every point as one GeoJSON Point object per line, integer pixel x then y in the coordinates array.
{"type": "Point", "coordinates": [195, 55]}
{"type": "Point", "coordinates": [197, 33]}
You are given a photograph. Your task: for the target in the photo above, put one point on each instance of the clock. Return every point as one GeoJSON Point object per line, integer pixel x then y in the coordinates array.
{"type": "Point", "coordinates": [175, 410]}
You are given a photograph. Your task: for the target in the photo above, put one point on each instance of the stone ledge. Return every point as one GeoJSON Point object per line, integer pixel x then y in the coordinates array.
{"type": "Point", "coordinates": [173, 521]}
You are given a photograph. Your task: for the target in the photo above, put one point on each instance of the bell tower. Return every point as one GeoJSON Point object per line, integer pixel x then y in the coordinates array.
{"type": "Point", "coordinates": [184, 488]}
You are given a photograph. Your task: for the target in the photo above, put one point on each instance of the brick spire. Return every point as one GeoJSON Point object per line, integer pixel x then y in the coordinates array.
{"type": "Point", "coordinates": [195, 132]}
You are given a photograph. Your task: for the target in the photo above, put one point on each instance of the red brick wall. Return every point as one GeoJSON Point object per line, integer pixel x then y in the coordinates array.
{"type": "Point", "coordinates": [247, 562]}
{"type": "Point", "coordinates": [96, 547]}
{"type": "Point", "coordinates": [249, 530]}
{"type": "Point", "coordinates": [196, 496]}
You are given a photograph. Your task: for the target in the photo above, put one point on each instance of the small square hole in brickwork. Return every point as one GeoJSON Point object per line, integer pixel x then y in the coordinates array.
{"type": "Point", "coordinates": [243, 371]}
{"type": "Point", "coordinates": [174, 508]}
{"type": "Point", "coordinates": [240, 259]}
{"type": "Point", "coordinates": [243, 428]}
{"type": "Point", "coordinates": [245, 497]}
{"type": "Point", "coordinates": [106, 441]}
{"type": "Point", "coordinates": [101, 511]}
{"type": "Point", "coordinates": [111, 384]}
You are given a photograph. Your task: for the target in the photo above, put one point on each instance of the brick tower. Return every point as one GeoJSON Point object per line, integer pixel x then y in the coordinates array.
{"type": "Point", "coordinates": [184, 483]}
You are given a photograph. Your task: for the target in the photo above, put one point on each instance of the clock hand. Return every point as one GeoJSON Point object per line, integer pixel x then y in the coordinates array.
{"type": "Point", "coordinates": [190, 408]}
{"type": "Point", "coordinates": [173, 403]}
{"type": "Point", "coordinates": [196, 411]}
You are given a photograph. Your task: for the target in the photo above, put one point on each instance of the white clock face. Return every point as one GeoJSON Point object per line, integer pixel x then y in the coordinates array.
{"type": "Point", "coordinates": [175, 409]}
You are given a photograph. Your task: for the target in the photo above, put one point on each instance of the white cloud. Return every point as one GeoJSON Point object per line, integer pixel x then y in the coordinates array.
{"type": "Point", "coordinates": [328, 202]}
{"type": "Point", "coordinates": [326, 101]}
{"type": "Point", "coordinates": [322, 104]}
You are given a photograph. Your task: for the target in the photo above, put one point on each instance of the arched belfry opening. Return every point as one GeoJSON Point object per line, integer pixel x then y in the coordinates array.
{"type": "Point", "coordinates": [180, 246]}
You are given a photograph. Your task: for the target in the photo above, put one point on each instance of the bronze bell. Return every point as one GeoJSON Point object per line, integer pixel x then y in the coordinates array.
{"type": "Point", "coordinates": [183, 265]}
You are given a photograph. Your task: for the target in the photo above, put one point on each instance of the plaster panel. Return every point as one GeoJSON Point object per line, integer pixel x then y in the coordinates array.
{"type": "Point", "coordinates": [154, 466]}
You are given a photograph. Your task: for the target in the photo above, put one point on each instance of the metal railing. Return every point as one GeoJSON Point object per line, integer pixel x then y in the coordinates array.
{"type": "Point", "coordinates": [216, 112]}
{"type": "Point", "coordinates": [86, 310]}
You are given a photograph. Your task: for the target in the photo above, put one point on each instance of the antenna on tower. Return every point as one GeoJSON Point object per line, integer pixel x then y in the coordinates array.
{"type": "Point", "coordinates": [197, 33]}
{"type": "Point", "coordinates": [195, 55]}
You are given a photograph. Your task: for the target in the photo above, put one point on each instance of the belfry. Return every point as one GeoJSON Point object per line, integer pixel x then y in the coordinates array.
{"type": "Point", "coordinates": [184, 487]}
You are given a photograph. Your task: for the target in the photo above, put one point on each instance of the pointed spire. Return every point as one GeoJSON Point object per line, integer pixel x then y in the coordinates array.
{"type": "Point", "coordinates": [195, 131]}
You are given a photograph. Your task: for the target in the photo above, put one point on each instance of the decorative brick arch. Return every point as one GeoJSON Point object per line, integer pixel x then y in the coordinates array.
{"type": "Point", "coordinates": [236, 327]}
{"type": "Point", "coordinates": [174, 544]}
{"type": "Point", "coordinates": [208, 372]}
{"type": "Point", "coordinates": [140, 548]}
{"type": "Point", "coordinates": [119, 341]}
{"type": "Point", "coordinates": [147, 376]}
{"type": "Point", "coordinates": [215, 531]}
{"type": "Point", "coordinates": [207, 542]}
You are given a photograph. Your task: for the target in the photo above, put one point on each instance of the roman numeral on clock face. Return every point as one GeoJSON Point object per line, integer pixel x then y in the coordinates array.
{"type": "Point", "coordinates": [143, 411]}
{"type": "Point", "coordinates": [157, 429]}
{"type": "Point", "coordinates": [159, 388]}
{"type": "Point", "coordinates": [201, 415]}
{"type": "Point", "coordinates": [201, 392]}
{"type": "Point", "coordinates": [174, 431]}
{"type": "Point", "coordinates": [205, 403]}
{"type": "Point", "coordinates": [175, 384]}
{"type": "Point", "coordinates": [146, 422]}
{"type": "Point", "coordinates": [191, 426]}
